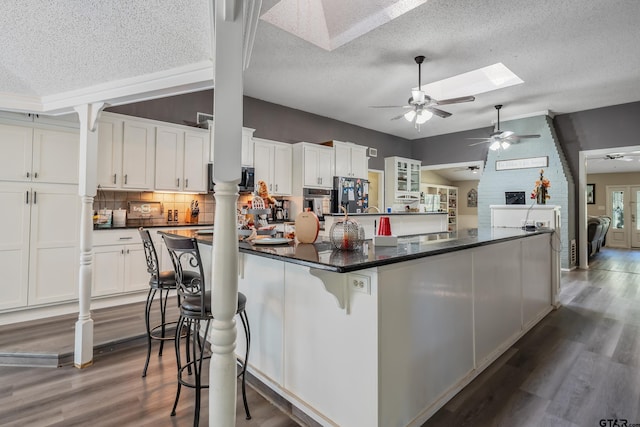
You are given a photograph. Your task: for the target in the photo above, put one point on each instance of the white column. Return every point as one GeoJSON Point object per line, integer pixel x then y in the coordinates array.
{"type": "Point", "coordinates": [88, 114]}
{"type": "Point", "coordinates": [231, 56]}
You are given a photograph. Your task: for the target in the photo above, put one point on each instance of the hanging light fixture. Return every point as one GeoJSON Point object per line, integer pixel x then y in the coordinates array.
{"type": "Point", "coordinates": [421, 117]}
{"type": "Point", "coordinates": [495, 145]}
{"type": "Point", "coordinates": [410, 115]}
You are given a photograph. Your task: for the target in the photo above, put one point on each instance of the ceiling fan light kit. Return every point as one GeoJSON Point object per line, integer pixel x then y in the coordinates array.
{"type": "Point", "coordinates": [421, 106]}
{"type": "Point", "coordinates": [502, 139]}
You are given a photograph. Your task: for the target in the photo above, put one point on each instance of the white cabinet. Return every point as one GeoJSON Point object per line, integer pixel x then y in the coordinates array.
{"type": "Point", "coordinates": [126, 150]}
{"type": "Point", "coordinates": [39, 155]}
{"type": "Point", "coordinates": [138, 148]}
{"type": "Point", "coordinates": [14, 245]}
{"type": "Point", "coordinates": [312, 166]}
{"type": "Point", "coordinates": [39, 252]}
{"type": "Point", "coordinates": [350, 159]}
{"type": "Point", "coordinates": [180, 164]}
{"type": "Point", "coordinates": [402, 180]}
{"type": "Point", "coordinates": [247, 145]}
{"type": "Point", "coordinates": [119, 263]}
{"type": "Point", "coordinates": [272, 162]}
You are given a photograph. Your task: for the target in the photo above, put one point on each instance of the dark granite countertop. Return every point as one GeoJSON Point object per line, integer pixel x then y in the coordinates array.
{"type": "Point", "coordinates": [322, 255]}
{"type": "Point", "coordinates": [152, 224]}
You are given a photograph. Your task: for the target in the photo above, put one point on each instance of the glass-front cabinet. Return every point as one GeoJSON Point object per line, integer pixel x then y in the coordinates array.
{"type": "Point", "coordinates": [414, 172]}
{"type": "Point", "coordinates": [402, 180]}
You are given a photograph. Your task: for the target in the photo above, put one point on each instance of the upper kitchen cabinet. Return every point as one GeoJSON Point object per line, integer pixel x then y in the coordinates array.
{"type": "Point", "coordinates": [350, 159]}
{"type": "Point", "coordinates": [402, 179]}
{"type": "Point", "coordinates": [272, 162]}
{"type": "Point", "coordinates": [312, 166]}
{"type": "Point", "coordinates": [180, 159]}
{"type": "Point", "coordinates": [126, 150]}
{"type": "Point", "coordinates": [39, 155]}
{"type": "Point", "coordinates": [247, 146]}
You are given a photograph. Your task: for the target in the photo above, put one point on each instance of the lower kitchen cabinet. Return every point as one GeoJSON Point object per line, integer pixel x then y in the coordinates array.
{"type": "Point", "coordinates": [119, 264]}
{"type": "Point", "coordinates": [39, 250]}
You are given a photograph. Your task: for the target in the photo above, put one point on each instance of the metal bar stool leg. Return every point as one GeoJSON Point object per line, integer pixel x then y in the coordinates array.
{"type": "Point", "coordinates": [164, 296]}
{"type": "Point", "coordinates": [147, 315]}
{"type": "Point", "coordinates": [180, 325]}
{"type": "Point", "coordinates": [247, 336]}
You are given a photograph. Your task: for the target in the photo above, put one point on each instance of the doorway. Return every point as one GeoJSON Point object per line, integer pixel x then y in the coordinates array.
{"type": "Point", "coordinates": [623, 203]}
{"type": "Point", "coordinates": [376, 189]}
{"type": "Point", "coordinates": [583, 156]}
{"type": "Point", "coordinates": [618, 210]}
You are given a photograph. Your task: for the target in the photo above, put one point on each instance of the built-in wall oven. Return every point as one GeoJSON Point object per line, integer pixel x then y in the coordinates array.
{"type": "Point", "coordinates": [318, 200]}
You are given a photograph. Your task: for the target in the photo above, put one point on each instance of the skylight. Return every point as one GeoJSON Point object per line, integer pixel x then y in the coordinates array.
{"type": "Point", "coordinates": [482, 80]}
{"type": "Point", "coordinates": [330, 24]}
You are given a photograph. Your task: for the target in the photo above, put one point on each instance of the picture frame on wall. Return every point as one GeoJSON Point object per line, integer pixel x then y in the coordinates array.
{"type": "Point", "coordinates": [591, 194]}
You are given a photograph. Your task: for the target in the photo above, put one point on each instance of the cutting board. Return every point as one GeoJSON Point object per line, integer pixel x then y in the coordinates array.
{"type": "Point", "coordinates": [307, 227]}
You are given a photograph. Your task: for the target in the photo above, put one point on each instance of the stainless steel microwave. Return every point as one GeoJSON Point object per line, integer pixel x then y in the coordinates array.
{"type": "Point", "coordinates": [247, 180]}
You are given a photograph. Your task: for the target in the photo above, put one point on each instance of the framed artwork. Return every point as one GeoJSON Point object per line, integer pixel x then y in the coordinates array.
{"type": "Point", "coordinates": [591, 194]}
{"type": "Point", "coordinates": [472, 198]}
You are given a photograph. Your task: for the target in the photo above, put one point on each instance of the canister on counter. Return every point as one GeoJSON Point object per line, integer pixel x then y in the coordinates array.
{"type": "Point", "coordinates": [169, 215]}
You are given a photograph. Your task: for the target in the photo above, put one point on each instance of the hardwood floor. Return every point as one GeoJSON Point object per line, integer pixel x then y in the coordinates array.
{"type": "Point", "coordinates": [112, 391]}
{"type": "Point", "coordinates": [579, 365]}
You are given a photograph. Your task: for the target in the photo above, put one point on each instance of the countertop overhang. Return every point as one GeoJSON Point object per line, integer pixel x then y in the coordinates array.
{"type": "Point", "coordinates": [321, 255]}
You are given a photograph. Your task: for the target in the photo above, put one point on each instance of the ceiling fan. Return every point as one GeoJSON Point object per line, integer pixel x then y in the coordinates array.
{"type": "Point", "coordinates": [502, 139]}
{"type": "Point", "coordinates": [617, 156]}
{"type": "Point", "coordinates": [472, 169]}
{"type": "Point", "coordinates": [421, 106]}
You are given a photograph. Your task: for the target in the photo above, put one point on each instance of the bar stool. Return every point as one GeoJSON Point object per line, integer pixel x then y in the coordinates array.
{"type": "Point", "coordinates": [163, 281]}
{"type": "Point", "coordinates": [195, 307]}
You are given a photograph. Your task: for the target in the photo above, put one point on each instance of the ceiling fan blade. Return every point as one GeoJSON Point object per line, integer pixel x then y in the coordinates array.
{"type": "Point", "coordinates": [528, 136]}
{"type": "Point", "coordinates": [390, 106]}
{"type": "Point", "coordinates": [456, 100]}
{"type": "Point", "coordinates": [484, 139]}
{"type": "Point", "coordinates": [478, 143]}
{"type": "Point", "coordinates": [438, 112]}
{"type": "Point", "coordinates": [398, 117]}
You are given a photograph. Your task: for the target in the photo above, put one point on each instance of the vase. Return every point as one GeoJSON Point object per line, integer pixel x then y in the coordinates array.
{"type": "Point", "coordinates": [541, 197]}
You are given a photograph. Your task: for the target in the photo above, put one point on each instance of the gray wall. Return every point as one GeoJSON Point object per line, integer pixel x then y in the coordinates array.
{"type": "Point", "coordinates": [272, 121]}
{"type": "Point", "coordinates": [607, 127]}
{"type": "Point", "coordinates": [451, 148]}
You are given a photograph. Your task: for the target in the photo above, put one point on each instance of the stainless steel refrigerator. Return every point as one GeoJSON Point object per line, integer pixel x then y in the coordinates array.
{"type": "Point", "coordinates": [352, 193]}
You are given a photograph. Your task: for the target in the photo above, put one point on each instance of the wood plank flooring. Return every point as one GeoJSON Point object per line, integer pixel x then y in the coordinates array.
{"type": "Point", "coordinates": [581, 364]}
{"type": "Point", "coordinates": [111, 392]}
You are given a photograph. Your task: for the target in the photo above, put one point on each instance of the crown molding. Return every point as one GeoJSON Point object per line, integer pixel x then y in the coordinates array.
{"type": "Point", "coordinates": [176, 81]}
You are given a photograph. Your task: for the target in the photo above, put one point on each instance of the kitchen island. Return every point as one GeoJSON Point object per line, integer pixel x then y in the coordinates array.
{"type": "Point", "coordinates": [387, 335]}
{"type": "Point", "coordinates": [402, 223]}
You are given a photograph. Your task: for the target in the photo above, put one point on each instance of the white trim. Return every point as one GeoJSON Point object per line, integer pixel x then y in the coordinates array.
{"type": "Point", "coordinates": [453, 165]}
{"type": "Point", "coordinates": [176, 81]}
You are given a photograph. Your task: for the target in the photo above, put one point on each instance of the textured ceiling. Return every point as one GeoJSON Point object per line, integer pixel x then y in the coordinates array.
{"type": "Point", "coordinates": [572, 55]}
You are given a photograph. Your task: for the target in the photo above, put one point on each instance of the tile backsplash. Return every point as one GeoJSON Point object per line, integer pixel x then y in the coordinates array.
{"type": "Point", "coordinates": [118, 200]}
{"type": "Point", "coordinates": [206, 202]}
